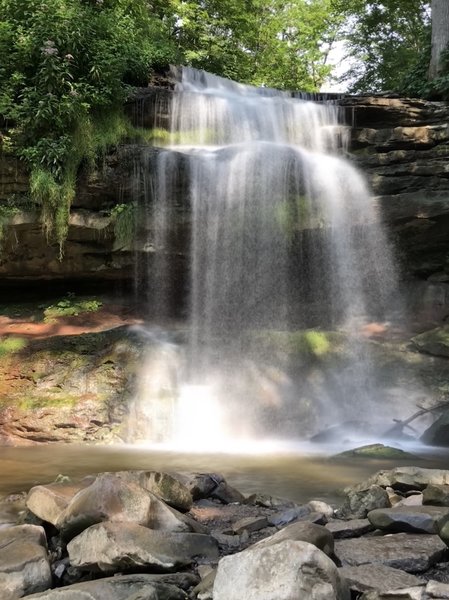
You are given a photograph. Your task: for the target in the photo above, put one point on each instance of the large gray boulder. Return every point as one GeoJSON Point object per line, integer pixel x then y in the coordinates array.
{"type": "Point", "coordinates": [24, 564]}
{"type": "Point", "coordinates": [124, 587]}
{"type": "Point", "coordinates": [413, 553]}
{"type": "Point", "coordinates": [112, 547]}
{"type": "Point", "coordinates": [417, 519]}
{"type": "Point", "coordinates": [288, 570]}
{"type": "Point", "coordinates": [112, 498]}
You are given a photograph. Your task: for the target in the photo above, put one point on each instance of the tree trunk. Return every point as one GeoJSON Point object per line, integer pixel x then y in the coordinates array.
{"type": "Point", "coordinates": [440, 34]}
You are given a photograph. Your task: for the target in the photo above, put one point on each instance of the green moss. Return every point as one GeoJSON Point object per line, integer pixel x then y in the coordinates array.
{"type": "Point", "coordinates": [123, 217]}
{"type": "Point", "coordinates": [375, 451]}
{"type": "Point", "coordinates": [30, 402]}
{"type": "Point", "coordinates": [308, 343]}
{"type": "Point", "coordinates": [70, 306]}
{"type": "Point", "coordinates": [11, 345]}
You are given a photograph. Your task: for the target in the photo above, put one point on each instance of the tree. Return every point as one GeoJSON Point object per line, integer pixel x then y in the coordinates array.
{"type": "Point", "coordinates": [387, 39]}
{"type": "Point", "coordinates": [440, 36]}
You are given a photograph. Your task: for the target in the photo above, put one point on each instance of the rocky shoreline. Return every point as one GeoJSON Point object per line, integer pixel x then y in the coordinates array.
{"type": "Point", "coordinates": [145, 535]}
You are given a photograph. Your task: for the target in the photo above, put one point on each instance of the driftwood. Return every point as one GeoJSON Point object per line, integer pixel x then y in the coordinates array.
{"type": "Point", "coordinates": [400, 425]}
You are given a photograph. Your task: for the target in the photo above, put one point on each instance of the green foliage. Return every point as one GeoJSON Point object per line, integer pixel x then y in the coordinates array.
{"type": "Point", "coordinates": [64, 64]}
{"type": "Point", "coordinates": [389, 41]}
{"type": "Point", "coordinates": [124, 220]}
{"type": "Point", "coordinates": [11, 345]}
{"type": "Point", "coordinates": [7, 212]}
{"type": "Point", "coordinates": [70, 306]}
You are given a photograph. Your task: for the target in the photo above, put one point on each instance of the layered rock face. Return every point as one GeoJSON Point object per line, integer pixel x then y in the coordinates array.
{"type": "Point", "coordinates": [402, 145]}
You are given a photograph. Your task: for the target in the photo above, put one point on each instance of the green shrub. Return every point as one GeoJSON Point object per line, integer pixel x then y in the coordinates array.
{"type": "Point", "coordinates": [70, 306]}
{"type": "Point", "coordinates": [11, 345]}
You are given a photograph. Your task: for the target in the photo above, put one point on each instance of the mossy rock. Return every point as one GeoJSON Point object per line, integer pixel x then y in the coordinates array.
{"type": "Point", "coordinates": [435, 341]}
{"type": "Point", "coordinates": [374, 451]}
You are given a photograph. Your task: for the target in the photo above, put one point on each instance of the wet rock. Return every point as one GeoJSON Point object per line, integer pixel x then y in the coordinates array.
{"type": "Point", "coordinates": [438, 433]}
{"type": "Point", "coordinates": [378, 577]}
{"type": "Point", "coordinates": [302, 532]}
{"type": "Point", "coordinates": [291, 514]}
{"type": "Point", "coordinates": [288, 570]}
{"type": "Point", "coordinates": [374, 451]}
{"type": "Point", "coordinates": [48, 502]}
{"type": "Point", "coordinates": [111, 498]}
{"type": "Point", "coordinates": [417, 519]}
{"type": "Point", "coordinates": [436, 495]}
{"type": "Point", "coordinates": [24, 563]}
{"type": "Point", "coordinates": [123, 587]}
{"type": "Point", "coordinates": [267, 501]}
{"type": "Point", "coordinates": [349, 529]}
{"type": "Point", "coordinates": [435, 341]}
{"type": "Point", "coordinates": [413, 553]}
{"type": "Point", "coordinates": [404, 479]}
{"type": "Point", "coordinates": [359, 503]}
{"type": "Point", "coordinates": [227, 494]}
{"type": "Point", "coordinates": [112, 547]}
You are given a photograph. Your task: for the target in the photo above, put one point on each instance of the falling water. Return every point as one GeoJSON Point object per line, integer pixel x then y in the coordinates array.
{"type": "Point", "coordinates": [285, 247]}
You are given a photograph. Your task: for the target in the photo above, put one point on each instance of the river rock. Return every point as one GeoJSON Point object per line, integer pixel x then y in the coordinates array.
{"type": "Point", "coordinates": [200, 485]}
{"type": "Point", "coordinates": [404, 479]}
{"type": "Point", "coordinates": [413, 553]}
{"type": "Point", "coordinates": [359, 503]}
{"type": "Point", "coordinates": [110, 547]}
{"type": "Point", "coordinates": [302, 532]}
{"type": "Point", "coordinates": [296, 513]}
{"type": "Point", "coordinates": [123, 587]}
{"type": "Point", "coordinates": [204, 590]}
{"type": "Point", "coordinates": [349, 529]}
{"type": "Point", "coordinates": [412, 593]}
{"type": "Point", "coordinates": [48, 502]}
{"type": "Point", "coordinates": [227, 494]}
{"type": "Point", "coordinates": [288, 570]}
{"type": "Point", "coordinates": [378, 577]}
{"type": "Point", "coordinates": [111, 498]}
{"type": "Point", "coordinates": [318, 506]}
{"type": "Point", "coordinates": [417, 519]}
{"type": "Point", "coordinates": [438, 433]}
{"type": "Point", "coordinates": [436, 495]}
{"type": "Point", "coordinates": [169, 489]}
{"type": "Point", "coordinates": [249, 524]}
{"type": "Point", "coordinates": [24, 563]}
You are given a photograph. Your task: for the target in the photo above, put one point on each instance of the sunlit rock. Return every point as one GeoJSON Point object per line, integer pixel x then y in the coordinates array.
{"type": "Point", "coordinates": [109, 547]}
{"type": "Point", "coordinates": [404, 479]}
{"type": "Point", "coordinates": [24, 562]}
{"type": "Point", "coordinates": [288, 570]}
{"type": "Point", "coordinates": [314, 534]}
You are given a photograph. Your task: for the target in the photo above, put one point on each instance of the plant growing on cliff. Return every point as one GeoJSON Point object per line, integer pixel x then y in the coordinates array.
{"type": "Point", "coordinates": [123, 218]}
{"type": "Point", "coordinates": [63, 65]}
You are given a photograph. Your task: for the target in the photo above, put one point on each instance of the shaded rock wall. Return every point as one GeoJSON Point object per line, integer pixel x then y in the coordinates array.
{"type": "Point", "coordinates": [402, 145]}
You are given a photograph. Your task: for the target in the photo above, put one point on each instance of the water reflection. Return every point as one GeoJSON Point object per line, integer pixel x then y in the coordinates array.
{"type": "Point", "coordinates": [289, 475]}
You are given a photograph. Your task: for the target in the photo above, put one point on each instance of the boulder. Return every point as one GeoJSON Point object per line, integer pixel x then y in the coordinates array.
{"type": "Point", "coordinates": [378, 577]}
{"type": "Point", "coordinates": [288, 570]}
{"type": "Point", "coordinates": [413, 553]}
{"type": "Point", "coordinates": [438, 433]}
{"type": "Point", "coordinates": [200, 485]}
{"type": "Point", "coordinates": [435, 341]}
{"type": "Point", "coordinates": [295, 513]}
{"type": "Point", "coordinates": [359, 503]}
{"type": "Point", "coordinates": [124, 587]}
{"type": "Point", "coordinates": [302, 532]}
{"type": "Point", "coordinates": [112, 547]}
{"type": "Point", "coordinates": [417, 519]}
{"type": "Point", "coordinates": [169, 489]}
{"type": "Point", "coordinates": [318, 506]}
{"type": "Point", "coordinates": [249, 524]}
{"type": "Point", "coordinates": [48, 502]}
{"type": "Point", "coordinates": [227, 494]}
{"type": "Point", "coordinates": [111, 498]}
{"type": "Point", "coordinates": [349, 529]}
{"type": "Point", "coordinates": [24, 563]}
{"type": "Point", "coordinates": [436, 495]}
{"type": "Point", "coordinates": [404, 479]}
{"type": "Point", "coordinates": [374, 451]}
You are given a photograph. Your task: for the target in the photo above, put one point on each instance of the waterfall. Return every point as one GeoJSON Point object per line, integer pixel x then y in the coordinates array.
{"type": "Point", "coordinates": [287, 257]}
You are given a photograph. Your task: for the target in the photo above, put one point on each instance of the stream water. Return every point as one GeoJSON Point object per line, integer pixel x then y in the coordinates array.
{"type": "Point", "coordinates": [299, 475]}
